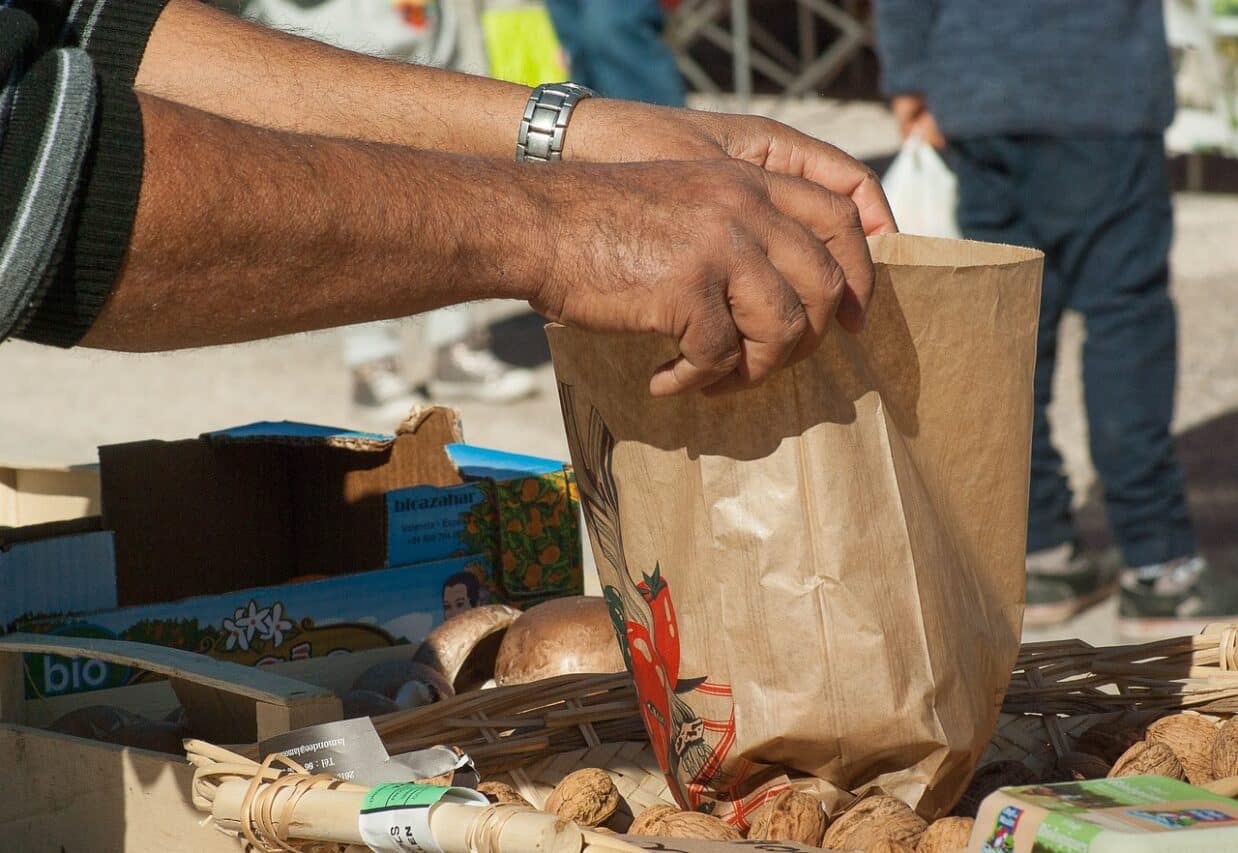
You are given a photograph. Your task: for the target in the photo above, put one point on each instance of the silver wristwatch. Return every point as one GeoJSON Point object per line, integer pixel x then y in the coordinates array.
{"type": "Point", "coordinates": [544, 123]}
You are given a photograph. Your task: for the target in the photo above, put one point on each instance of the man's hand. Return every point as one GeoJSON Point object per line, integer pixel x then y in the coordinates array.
{"type": "Point", "coordinates": [743, 267]}
{"type": "Point", "coordinates": [619, 131]}
{"type": "Point", "coordinates": [913, 117]}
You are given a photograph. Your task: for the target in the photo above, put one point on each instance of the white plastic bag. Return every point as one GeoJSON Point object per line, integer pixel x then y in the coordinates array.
{"type": "Point", "coordinates": [923, 192]}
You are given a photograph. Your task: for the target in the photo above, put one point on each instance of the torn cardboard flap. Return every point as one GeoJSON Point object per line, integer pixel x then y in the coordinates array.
{"type": "Point", "coordinates": [259, 505]}
{"type": "Point", "coordinates": [442, 422]}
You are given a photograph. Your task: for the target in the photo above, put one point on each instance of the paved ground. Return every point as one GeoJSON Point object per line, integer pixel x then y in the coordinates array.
{"type": "Point", "coordinates": [58, 406]}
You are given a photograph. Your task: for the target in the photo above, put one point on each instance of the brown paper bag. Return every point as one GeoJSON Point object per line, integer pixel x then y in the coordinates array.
{"type": "Point", "coordinates": [819, 582]}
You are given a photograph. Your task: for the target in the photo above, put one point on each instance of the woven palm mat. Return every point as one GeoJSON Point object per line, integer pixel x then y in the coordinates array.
{"type": "Point", "coordinates": [630, 765]}
{"type": "Point", "coordinates": [534, 734]}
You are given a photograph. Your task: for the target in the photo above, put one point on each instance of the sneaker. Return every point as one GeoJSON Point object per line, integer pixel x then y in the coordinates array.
{"type": "Point", "coordinates": [1063, 581]}
{"type": "Point", "coordinates": [380, 391]}
{"type": "Point", "coordinates": [1175, 598]}
{"type": "Point", "coordinates": [463, 371]}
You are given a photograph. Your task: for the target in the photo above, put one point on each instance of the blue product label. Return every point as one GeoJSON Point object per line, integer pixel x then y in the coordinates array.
{"type": "Point", "coordinates": [431, 523]}
{"type": "Point", "coordinates": [314, 619]}
{"type": "Point", "coordinates": [1002, 838]}
{"type": "Point", "coordinates": [53, 675]}
{"type": "Point", "coordinates": [1180, 818]}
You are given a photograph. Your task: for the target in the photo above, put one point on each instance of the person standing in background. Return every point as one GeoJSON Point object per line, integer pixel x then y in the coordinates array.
{"type": "Point", "coordinates": [615, 47]}
{"type": "Point", "coordinates": [462, 364]}
{"type": "Point", "coordinates": [1053, 115]}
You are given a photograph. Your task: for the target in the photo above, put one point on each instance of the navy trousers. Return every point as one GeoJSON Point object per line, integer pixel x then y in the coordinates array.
{"type": "Point", "coordinates": [616, 47]}
{"type": "Point", "coordinates": [1099, 208]}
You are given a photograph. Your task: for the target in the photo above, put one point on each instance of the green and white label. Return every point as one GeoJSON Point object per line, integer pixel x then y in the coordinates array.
{"type": "Point", "coordinates": [396, 818]}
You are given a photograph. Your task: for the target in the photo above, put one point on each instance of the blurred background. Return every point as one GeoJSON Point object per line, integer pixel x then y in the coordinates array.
{"type": "Point", "coordinates": [809, 63]}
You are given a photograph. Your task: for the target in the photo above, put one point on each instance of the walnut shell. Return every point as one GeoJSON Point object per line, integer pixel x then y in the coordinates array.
{"type": "Point", "coordinates": [889, 845]}
{"type": "Point", "coordinates": [1191, 738]}
{"type": "Point", "coordinates": [650, 820]}
{"type": "Point", "coordinates": [501, 792]}
{"type": "Point", "coordinates": [588, 797]}
{"type": "Point", "coordinates": [990, 777]}
{"type": "Point", "coordinates": [1225, 750]}
{"type": "Point", "coordinates": [696, 825]}
{"type": "Point", "coordinates": [1148, 758]}
{"type": "Point", "coordinates": [789, 816]}
{"type": "Point", "coordinates": [871, 820]}
{"type": "Point", "coordinates": [946, 835]}
{"type": "Point", "coordinates": [1108, 742]}
{"type": "Point", "coordinates": [1081, 765]}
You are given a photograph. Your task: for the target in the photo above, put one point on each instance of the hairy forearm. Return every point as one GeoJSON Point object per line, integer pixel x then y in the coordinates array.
{"type": "Point", "coordinates": [245, 232]}
{"type": "Point", "coordinates": [206, 59]}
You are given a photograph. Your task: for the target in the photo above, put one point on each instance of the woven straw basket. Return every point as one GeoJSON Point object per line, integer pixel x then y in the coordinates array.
{"type": "Point", "coordinates": [533, 735]}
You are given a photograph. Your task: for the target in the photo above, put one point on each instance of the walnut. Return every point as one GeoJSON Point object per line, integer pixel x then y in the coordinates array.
{"type": "Point", "coordinates": [1148, 758]}
{"type": "Point", "coordinates": [946, 835]}
{"type": "Point", "coordinates": [501, 792]}
{"type": "Point", "coordinates": [889, 845]}
{"type": "Point", "coordinates": [1225, 750]}
{"type": "Point", "coordinates": [697, 825]}
{"type": "Point", "coordinates": [650, 820]}
{"type": "Point", "coordinates": [990, 777]}
{"type": "Point", "coordinates": [1191, 738]}
{"type": "Point", "coordinates": [789, 816]}
{"type": "Point", "coordinates": [871, 820]}
{"type": "Point", "coordinates": [588, 797]}
{"type": "Point", "coordinates": [1080, 765]}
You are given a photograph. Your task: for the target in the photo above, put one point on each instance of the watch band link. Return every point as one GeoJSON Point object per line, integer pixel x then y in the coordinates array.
{"type": "Point", "coordinates": [544, 124]}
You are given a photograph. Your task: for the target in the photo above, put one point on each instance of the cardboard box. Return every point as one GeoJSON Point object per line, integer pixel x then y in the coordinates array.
{"type": "Point", "coordinates": [262, 504]}
{"type": "Point", "coordinates": [35, 494]}
{"type": "Point", "coordinates": [336, 615]}
{"type": "Point", "coordinates": [520, 512]}
{"type": "Point", "coordinates": [289, 533]}
{"type": "Point", "coordinates": [58, 567]}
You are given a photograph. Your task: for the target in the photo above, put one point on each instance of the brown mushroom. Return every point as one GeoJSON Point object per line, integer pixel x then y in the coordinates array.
{"type": "Point", "coordinates": [559, 637]}
{"type": "Point", "coordinates": [464, 648]}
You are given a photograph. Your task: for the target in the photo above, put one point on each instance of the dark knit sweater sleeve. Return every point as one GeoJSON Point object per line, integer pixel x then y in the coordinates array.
{"type": "Point", "coordinates": [903, 29]}
{"type": "Point", "coordinates": [97, 205]}
{"type": "Point", "coordinates": [114, 33]}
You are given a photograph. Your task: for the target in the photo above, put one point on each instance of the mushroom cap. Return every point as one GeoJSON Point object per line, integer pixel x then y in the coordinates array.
{"type": "Point", "coordinates": [559, 637]}
{"type": "Point", "coordinates": [463, 649]}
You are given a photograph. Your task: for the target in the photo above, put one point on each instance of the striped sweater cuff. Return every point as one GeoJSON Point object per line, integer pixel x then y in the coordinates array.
{"type": "Point", "coordinates": [94, 243]}
{"type": "Point", "coordinates": [41, 161]}
{"type": "Point", "coordinates": [115, 33]}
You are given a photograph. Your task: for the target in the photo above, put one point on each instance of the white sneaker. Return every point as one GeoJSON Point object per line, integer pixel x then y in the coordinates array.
{"type": "Point", "coordinates": [380, 392]}
{"type": "Point", "coordinates": [464, 372]}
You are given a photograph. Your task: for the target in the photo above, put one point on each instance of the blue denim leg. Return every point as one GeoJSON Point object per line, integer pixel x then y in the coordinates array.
{"type": "Point", "coordinates": [991, 175]}
{"type": "Point", "coordinates": [616, 47]}
{"type": "Point", "coordinates": [1099, 207]}
{"type": "Point", "coordinates": [1104, 204]}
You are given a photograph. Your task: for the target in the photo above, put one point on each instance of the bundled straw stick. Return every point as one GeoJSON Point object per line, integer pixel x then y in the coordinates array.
{"type": "Point", "coordinates": [287, 809]}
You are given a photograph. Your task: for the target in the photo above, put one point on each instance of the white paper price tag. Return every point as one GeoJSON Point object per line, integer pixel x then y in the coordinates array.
{"type": "Point", "coordinates": [396, 818]}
